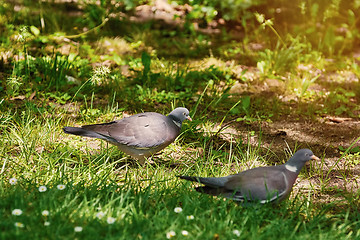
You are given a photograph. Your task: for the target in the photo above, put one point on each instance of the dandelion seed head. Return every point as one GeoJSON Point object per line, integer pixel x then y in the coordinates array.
{"type": "Point", "coordinates": [178, 209]}
{"type": "Point", "coordinates": [16, 212]}
{"type": "Point", "coordinates": [99, 74]}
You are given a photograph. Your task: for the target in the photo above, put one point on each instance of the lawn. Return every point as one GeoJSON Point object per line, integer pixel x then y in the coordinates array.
{"type": "Point", "coordinates": [259, 83]}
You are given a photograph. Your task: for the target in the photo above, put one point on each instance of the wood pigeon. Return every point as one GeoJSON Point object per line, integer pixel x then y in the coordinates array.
{"type": "Point", "coordinates": [140, 135]}
{"type": "Point", "coordinates": [262, 184]}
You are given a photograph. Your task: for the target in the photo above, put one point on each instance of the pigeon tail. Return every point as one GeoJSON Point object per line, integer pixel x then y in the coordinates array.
{"type": "Point", "coordinates": [208, 181]}
{"type": "Point", "coordinates": [194, 179]}
{"type": "Point", "coordinates": [86, 133]}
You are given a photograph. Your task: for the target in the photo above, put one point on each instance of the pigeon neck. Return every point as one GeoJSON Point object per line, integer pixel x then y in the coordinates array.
{"type": "Point", "coordinates": [294, 165]}
{"type": "Point", "coordinates": [177, 122]}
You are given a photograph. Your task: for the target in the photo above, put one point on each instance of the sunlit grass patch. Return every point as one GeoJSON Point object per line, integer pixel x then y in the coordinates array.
{"type": "Point", "coordinates": [54, 186]}
{"type": "Point", "coordinates": [59, 187]}
{"type": "Point", "coordinates": [152, 196]}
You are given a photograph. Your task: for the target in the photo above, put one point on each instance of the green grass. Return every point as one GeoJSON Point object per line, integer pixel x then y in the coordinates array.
{"type": "Point", "coordinates": [107, 66]}
{"type": "Point", "coordinates": [148, 213]}
{"type": "Point", "coordinates": [142, 199]}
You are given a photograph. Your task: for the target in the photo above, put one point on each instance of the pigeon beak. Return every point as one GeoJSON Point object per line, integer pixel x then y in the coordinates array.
{"type": "Point", "coordinates": [313, 157]}
{"type": "Point", "coordinates": [189, 118]}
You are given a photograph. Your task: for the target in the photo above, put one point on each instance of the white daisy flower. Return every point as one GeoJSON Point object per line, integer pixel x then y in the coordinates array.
{"type": "Point", "coordinates": [78, 229]}
{"type": "Point", "coordinates": [236, 232]}
{"type": "Point", "coordinates": [178, 209]}
{"type": "Point", "coordinates": [19, 224]}
{"type": "Point", "coordinates": [100, 215]}
{"type": "Point", "coordinates": [16, 212]}
{"type": "Point", "coordinates": [45, 213]}
{"type": "Point", "coordinates": [184, 233]}
{"type": "Point", "coordinates": [110, 220]}
{"type": "Point", "coordinates": [61, 186]}
{"type": "Point", "coordinates": [170, 234]}
{"type": "Point", "coordinates": [46, 223]}
{"type": "Point", "coordinates": [42, 189]}
{"type": "Point", "coordinates": [190, 217]}
{"type": "Point", "coordinates": [13, 181]}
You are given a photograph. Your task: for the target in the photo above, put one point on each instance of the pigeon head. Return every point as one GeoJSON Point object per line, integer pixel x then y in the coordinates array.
{"type": "Point", "coordinates": [180, 114]}
{"type": "Point", "coordinates": [297, 161]}
{"type": "Point", "coordinates": [305, 155]}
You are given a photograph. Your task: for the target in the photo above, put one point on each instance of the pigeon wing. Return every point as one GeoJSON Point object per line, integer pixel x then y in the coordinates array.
{"type": "Point", "coordinates": [264, 184]}
{"type": "Point", "coordinates": [144, 130]}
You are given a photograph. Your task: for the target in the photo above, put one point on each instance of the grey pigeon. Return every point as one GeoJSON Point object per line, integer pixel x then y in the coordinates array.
{"type": "Point", "coordinates": [262, 184]}
{"type": "Point", "coordinates": [140, 135]}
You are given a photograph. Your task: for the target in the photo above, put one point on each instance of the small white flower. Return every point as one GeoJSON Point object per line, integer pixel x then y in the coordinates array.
{"type": "Point", "coordinates": [19, 224]}
{"type": "Point", "coordinates": [236, 232]}
{"type": "Point", "coordinates": [100, 215]}
{"type": "Point", "coordinates": [184, 233]}
{"type": "Point", "coordinates": [110, 220]}
{"type": "Point", "coordinates": [61, 186]}
{"type": "Point", "coordinates": [178, 209]}
{"type": "Point", "coordinates": [45, 213]}
{"type": "Point", "coordinates": [170, 234]}
{"type": "Point", "coordinates": [12, 181]}
{"type": "Point", "coordinates": [191, 217]}
{"type": "Point", "coordinates": [78, 229]}
{"type": "Point", "coordinates": [46, 223]}
{"type": "Point", "coordinates": [42, 189]}
{"type": "Point", "coordinates": [16, 212]}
